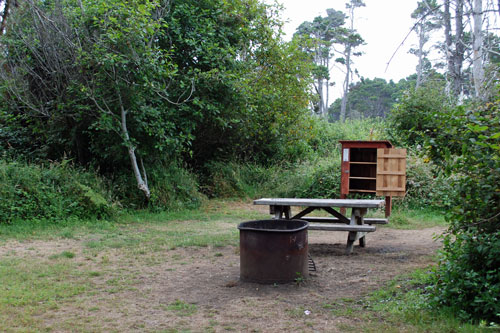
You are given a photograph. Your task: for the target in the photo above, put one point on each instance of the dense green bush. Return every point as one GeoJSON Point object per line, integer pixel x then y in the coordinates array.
{"type": "Point", "coordinates": [309, 179]}
{"type": "Point", "coordinates": [465, 142]}
{"type": "Point", "coordinates": [232, 179]}
{"type": "Point", "coordinates": [414, 120]}
{"type": "Point", "coordinates": [468, 277]}
{"type": "Point", "coordinates": [326, 135]}
{"type": "Point", "coordinates": [426, 184]}
{"type": "Point", "coordinates": [193, 80]}
{"type": "Point", "coordinates": [53, 192]}
{"type": "Point", "coordinates": [172, 187]}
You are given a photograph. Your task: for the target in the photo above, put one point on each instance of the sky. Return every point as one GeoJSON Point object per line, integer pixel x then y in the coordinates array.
{"type": "Point", "coordinates": [383, 24]}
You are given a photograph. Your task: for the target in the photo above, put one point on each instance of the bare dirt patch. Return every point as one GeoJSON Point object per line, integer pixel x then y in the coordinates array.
{"type": "Point", "coordinates": [198, 289]}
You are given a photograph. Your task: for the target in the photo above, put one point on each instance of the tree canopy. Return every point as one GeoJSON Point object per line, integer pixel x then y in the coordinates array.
{"type": "Point", "coordinates": [112, 83]}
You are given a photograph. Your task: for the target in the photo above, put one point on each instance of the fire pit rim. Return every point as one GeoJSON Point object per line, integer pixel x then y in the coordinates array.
{"type": "Point", "coordinates": [304, 225]}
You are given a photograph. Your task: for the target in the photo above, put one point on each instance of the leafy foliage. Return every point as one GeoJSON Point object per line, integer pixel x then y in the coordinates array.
{"type": "Point", "coordinates": [159, 82]}
{"type": "Point", "coordinates": [468, 278]}
{"type": "Point", "coordinates": [53, 192]}
{"type": "Point", "coordinates": [427, 185]}
{"type": "Point", "coordinates": [465, 141]}
{"type": "Point", "coordinates": [172, 188]}
{"type": "Point", "coordinates": [415, 118]}
{"type": "Point", "coordinates": [368, 98]}
{"type": "Point", "coordinates": [317, 39]}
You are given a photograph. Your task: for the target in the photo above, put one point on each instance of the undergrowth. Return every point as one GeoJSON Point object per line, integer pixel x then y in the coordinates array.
{"type": "Point", "coordinates": [403, 305]}
{"type": "Point", "coordinates": [51, 192]}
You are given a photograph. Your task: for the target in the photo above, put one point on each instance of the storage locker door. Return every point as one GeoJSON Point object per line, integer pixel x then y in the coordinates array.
{"type": "Point", "coordinates": [391, 172]}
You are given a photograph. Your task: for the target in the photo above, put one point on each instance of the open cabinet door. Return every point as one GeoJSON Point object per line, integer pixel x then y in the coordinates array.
{"type": "Point", "coordinates": [391, 172]}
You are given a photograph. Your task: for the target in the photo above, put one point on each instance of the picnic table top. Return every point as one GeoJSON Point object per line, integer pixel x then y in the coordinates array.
{"type": "Point", "coordinates": [348, 203]}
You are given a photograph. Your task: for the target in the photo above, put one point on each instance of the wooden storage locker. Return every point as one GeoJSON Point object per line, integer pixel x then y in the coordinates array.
{"type": "Point", "coordinates": [373, 167]}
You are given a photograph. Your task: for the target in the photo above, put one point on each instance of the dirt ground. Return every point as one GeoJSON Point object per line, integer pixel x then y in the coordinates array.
{"type": "Point", "coordinates": [198, 289]}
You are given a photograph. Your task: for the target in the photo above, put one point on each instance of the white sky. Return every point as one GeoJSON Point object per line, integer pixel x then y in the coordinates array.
{"type": "Point", "coordinates": [383, 24]}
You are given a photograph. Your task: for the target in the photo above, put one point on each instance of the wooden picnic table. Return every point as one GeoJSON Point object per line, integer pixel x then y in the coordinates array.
{"type": "Point", "coordinates": [357, 225]}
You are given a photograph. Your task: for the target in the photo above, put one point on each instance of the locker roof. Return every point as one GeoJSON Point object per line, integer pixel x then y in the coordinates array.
{"type": "Point", "coordinates": [366, 144]}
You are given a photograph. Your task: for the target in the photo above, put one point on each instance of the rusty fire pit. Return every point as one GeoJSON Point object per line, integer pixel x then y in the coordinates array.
{"type": "Point", "coordinates": [273, 251]}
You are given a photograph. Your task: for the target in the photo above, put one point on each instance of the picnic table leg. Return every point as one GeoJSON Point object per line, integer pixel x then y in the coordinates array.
{"type": "Point", "coordinates": [388, 206]}
{"type": "Point", "coordinates": [279, 211]}
{"type": "Point", "coordinates": [276, 211]}
{"type": "Point", "coordinates": [356, 219]}
{"type": "Point", "coordinates": [350, 242]}
{"type": "Point", "coordinates": [360, 221]}
{"type": "Point", "coordinates": [287, 210]}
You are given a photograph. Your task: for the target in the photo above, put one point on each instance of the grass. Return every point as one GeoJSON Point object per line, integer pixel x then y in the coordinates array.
{"type": "Point", "coordinates": [36, 283]}
{"type": "Point", "coordinates": [400, 306]}
{"type": "Point", "coordinates": [113, 233]}
{"type": "Point", "coordinates": [99, 261]}
{"type": "Point", "coordinates": [416, 219]}
{"type": "Point", "coordinates": [30, 288]}
{"type": "Point", "coordinates": [182, 308]}
{"type": "Point", "coordinates": [64, 254]}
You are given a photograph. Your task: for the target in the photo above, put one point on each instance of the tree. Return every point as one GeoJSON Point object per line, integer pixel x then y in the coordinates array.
{"type": "Point", "coordinates": [368, 98]}
{"type": "Point", "coordinates": [108, 52]}
{"type": "Point", "coordinates": [317, 39]}
{"type": "Point", "coordinates": [426, 15]}
{"type": "Point", "coordinates": [142, 83]}
{"type": "Point", "coordinates": [350, 41]}
{"type": "Point", "coordinates": [477, 56]}
{"type": "Point", "coordinates": [465, 141]}
{"type": "Point", "coordinates": [454, 46]}
{"type": "Point", "coordinates": [6, 6]}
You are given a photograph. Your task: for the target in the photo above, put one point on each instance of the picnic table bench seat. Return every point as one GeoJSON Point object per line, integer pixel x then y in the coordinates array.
{"type": "Point", "coordinates": [367, 220]}
{"type": "Point", "coordinates": [341, 227]}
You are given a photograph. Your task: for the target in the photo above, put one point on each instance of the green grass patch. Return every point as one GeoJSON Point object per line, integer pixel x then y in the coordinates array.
{"type": "Point", "coordinates": [64, 254]}
{"type": "Point", "coordinates": [416, 219]}
{"type": "Point", "coordinates": [187, 227]}
{"type": "Point", "coordinates": [182, 308]}
{"type": "Point", "coordinates": [29, 288]}
{"type": "Point", "coordinates": [401, 306]}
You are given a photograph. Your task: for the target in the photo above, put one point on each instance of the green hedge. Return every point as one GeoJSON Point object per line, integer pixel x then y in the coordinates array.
{"type": "Point", "coordinates": [53, 192]}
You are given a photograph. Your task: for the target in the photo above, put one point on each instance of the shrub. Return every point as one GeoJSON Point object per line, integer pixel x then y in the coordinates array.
{"type": "Point", "coordinates": [413, 120]}
{"type": "Point", "coordinates": [327, 135]}
{"type": "Point", "coordinates": [172, 187]}
{"type": "Point", "coordinates": [426, 184]}
{"type": "Point", "coordinates": [465, 141]}
{"type": "Point", "coordinates": [316, 178]}
{"type": "Point", "coordinates": [52, 192]}
{"type": "Point", "coordinates": [468, 278]}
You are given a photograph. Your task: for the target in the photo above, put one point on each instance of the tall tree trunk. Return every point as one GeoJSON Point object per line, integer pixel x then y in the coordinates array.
{"type": "Point", "coordinates": [459, 47]}
{"type": "Point", "coordinates": [477, 45]}
{"type": "Point", "coordinates": [142, 183]}
{"type": "Point", "coordinates": [343, 105]}
{"type": "Point", "coordinates": [448, 43]}
{"type": "Point", "coordinates": [320, 86]}
{"type": "Point", "coordinates": [327, 89]}
{"type": "Point", "coordinates": [455, 58]}
{"type": "Point", "coordinates": [320, 91]}
{"type": "Point", "coordinates": [420, 66]}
